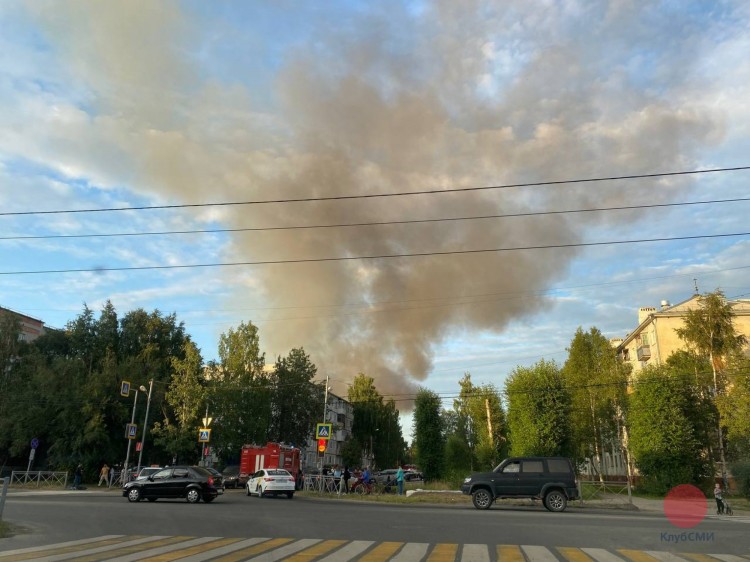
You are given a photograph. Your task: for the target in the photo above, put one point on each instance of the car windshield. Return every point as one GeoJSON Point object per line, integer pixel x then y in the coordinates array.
{"type": "Point", "coordinates": [201, 471]}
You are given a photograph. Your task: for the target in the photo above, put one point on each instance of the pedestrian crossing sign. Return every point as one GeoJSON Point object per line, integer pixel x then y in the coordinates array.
{"type": "Point", "coordinates": [132, 430]}
{"type": "Point", "coordinates": [323, 431]}
{"type": "Point", "coordinates": [204, 435]}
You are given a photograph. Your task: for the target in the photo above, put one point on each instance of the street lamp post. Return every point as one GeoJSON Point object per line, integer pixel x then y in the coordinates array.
{"type": "Point", "coordinates": [132, 421]}
{"type": "Point", "coordinates": [145, 422]}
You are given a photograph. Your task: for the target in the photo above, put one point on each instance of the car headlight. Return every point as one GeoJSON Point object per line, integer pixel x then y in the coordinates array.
{"type": "Point", "coordinates": [467, 479]}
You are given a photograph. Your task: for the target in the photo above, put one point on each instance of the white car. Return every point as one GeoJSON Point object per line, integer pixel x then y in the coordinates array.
{"type": "Point", "coordinates": [270, 481]}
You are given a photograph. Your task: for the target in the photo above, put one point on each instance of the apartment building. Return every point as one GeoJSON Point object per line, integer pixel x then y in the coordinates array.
{"type": "Point", "coordinates": [31, 328]}
{"type": "Point", "coordinates": [340, 413]}
{"type": "Point", "coordinates": [655, 338]}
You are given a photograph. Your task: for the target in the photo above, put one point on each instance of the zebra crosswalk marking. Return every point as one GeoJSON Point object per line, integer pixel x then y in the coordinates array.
{"type": "Point", "coordinates": [12, 554]}
{"type": "Point", "coordinates": [212, 554]}
{"type": "Point", "coordinates": [108, 554]}
{"type": "Point", "coordinates": [351, 551]}
{"type": "Point", "coordinates": [315, 551]}
{"type": "Point", "coordinates": [250, 551]}
{"type": "Point", "coordinates": [574, 554]}
{"type": "Point", "coordinates": [443, 552]}
{"type": "Point", "coordinates": [72, 546]}
{"type": "Point", "coordinates": [382, 552]}
{"type": "Point", "coordinates": [698, 557]}
{"type": "Point", "coordinates": [474, 553]}
{"type": "Point", "coordinates": [664, 556]}
{"type": "Point", "coordinates": [120, 548]}
{"type": "Point", "coordinates": [636, 555]}
{"type": "Point", "coordinates": [287, 550]}
{"type": "Point", "coordinates": [182, 553]}
{"type": "Point", "coordinates": [74, 552]}
{"type": "Point", "coordinates": [602, 555]}
{"type": "Point", "coordinates": [509, 553]}
{"type": "Point", "coordinates": [538, 554]}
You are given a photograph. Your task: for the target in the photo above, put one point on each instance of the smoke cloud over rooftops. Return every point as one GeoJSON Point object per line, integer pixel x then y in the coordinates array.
{"type": "Point", "coordinates": [454, 94]}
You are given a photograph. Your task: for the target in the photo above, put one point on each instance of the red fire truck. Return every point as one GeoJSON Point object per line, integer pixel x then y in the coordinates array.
{"type": "Point", "coordinates": [270, 455]}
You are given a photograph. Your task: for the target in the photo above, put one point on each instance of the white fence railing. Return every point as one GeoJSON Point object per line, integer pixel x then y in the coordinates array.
{"type": "Point", "coordinates": [38, 478]}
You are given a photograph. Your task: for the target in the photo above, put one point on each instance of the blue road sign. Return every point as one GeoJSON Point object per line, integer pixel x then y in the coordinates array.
{"type": "Point", "coordinates": [204, 435]}
{"type": "Point", "coordinates": [132, 430]}
{"type": "Point", "coordinates": [125, 388]}
{"type": "Point", "coordinates": [34, 443]}
{"type": "Point", "coordinates": [323, 430]}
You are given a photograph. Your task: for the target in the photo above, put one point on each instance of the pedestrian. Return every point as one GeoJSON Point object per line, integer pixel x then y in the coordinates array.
{"type": "Point", "coordinates": [345, 477]}
{"type": "Point", "coordinates": [111, 475]}
{"type": "Point", "coordinates": [300, 483]}
{"type": "Point", "coordinates": [78, 476]}
{"type": "Point", "coordinates": [400, 480]}
{"type": "Point", "coordinates": [719, 497]}
{"type": "Point", "coordinates": [337, 479]}
{"type": "Point", "coordinates": [103, 475]}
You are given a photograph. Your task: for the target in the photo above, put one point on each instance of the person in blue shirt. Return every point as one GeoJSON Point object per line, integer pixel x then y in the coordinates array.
{"type": "Point", "coordinates": [366, 475]}
{"type": "Point", "coordinates": [400, 481]}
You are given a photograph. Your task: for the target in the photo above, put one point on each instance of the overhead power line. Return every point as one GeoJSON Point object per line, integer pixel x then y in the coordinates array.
{"type": "Point", "coordinates": [375, 223]}
{"type": "Point", "coordinates": [379, 195]}
{"type": "Point", "coordinates": [372, 257]}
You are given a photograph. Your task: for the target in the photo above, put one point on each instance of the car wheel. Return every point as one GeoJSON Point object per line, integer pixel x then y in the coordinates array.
{"type": "Point", "coordinates": [259, 490]}
{"type": "Point", "coordinates": [152, 499]}
{"type": "Point", "coordinates": [290, 495]}
{"type": "Point", "coordinates": [134, 495]}
{"type": "Point", "coordinates": [555, 501]}
{"type": "Point", "coordinates": [482, 498]}
{"type": "Point", "coordinates": [193, 495]}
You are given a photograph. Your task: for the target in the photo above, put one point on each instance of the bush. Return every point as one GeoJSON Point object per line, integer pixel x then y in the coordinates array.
{"type": "Point", "coordinates": [741, 472]}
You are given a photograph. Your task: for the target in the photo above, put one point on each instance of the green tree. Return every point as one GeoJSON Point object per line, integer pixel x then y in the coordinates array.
{"type": "Point", "coordinates": [538, 411]}
{"type": "Point", "coordinates": [240, 391]}
{"type": "Point", "coordinates": [429, 440]}
{"type": "Point", "coordinates": [663, 440]}
{"type": "Point", "coordinates": [709, 332]}
{"type": "Point", "coordinates": [480, 422]}
{"type": "Point", "coordinates": [597, 381]}
{"type": "Point", "coordinates": [296, 401]}
{"type": "Point", "coordinates": [184, 401]}
{"type": "Point", "coordinates": [376, 427]}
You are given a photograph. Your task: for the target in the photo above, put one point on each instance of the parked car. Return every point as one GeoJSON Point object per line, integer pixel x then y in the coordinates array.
{"type": "Point", "coordinates": [551, 479]}
{"type": "Point", "coordinates": [193, 483]}
{"type": "Point", "coordinates": [218, 475]}
{"type": "Point", "coordinates": [412, 475]}
{"type": "Point", "coordinates": [147, 471]}
{"type": "Point", "coordinates": [270, 481]}
{"type": "Point", "coordinates": [232, 477]}
{"type": "Point", "coordinates": [389, 474]}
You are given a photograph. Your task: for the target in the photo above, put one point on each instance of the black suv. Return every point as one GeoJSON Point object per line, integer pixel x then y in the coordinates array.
{"type": "Point", "coordinates": [551, 479]}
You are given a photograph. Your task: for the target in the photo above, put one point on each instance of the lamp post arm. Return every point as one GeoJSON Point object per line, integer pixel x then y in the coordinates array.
{"type": "Point", "coordinates": [145, 423]}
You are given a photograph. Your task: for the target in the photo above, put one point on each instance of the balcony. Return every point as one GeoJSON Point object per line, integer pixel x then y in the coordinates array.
{"type": "Point", "coordinates": [644, 352]}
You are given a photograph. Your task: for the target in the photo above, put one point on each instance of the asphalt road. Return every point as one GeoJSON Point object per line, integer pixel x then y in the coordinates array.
{"type": "Point", "coordinates": [48, 519]}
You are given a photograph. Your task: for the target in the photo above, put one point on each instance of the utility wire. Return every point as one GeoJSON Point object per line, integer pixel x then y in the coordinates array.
{"type": "Point", "coordinates": [372, 257]}
{"type": "Point", "coordinates": [378, 195]}
{"type": "Point", "coordinates": [375, 223]}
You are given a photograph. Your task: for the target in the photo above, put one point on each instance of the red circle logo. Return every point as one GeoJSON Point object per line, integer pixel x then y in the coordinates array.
{"type": "Point", "coordinates": [685, 506]}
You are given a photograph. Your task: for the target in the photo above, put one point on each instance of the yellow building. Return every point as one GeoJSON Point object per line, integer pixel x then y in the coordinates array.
{"type": "Point", "coordinates": [655, 338]}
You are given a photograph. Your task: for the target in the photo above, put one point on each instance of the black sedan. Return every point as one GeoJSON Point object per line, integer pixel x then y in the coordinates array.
{"type": "Point", "coordinates": [191, 482]}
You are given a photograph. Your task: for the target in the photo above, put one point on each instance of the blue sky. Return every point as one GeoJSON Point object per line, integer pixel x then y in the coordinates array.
{"type": "Point", "coordinates": [126, 104]}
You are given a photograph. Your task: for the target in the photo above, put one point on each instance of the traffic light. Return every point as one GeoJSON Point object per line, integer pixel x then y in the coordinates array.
{"type": "Point", "coordinates": [322, 444]}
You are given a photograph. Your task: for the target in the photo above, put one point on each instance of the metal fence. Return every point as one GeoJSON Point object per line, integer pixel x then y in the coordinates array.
{"type": "Point", "coordinates": [39, 478]}
{"type": "Point", "coordinates": [318, 483]}
{"type": "Point", "coordinates": [606, 492]}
